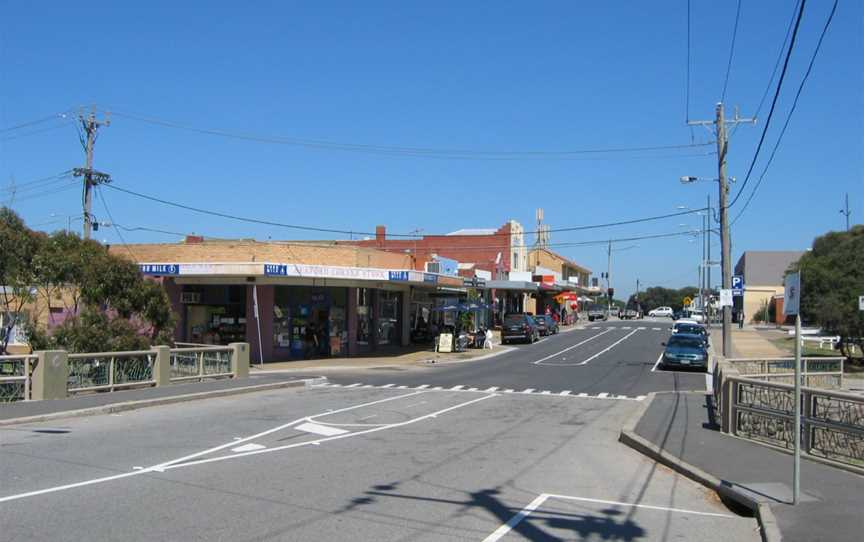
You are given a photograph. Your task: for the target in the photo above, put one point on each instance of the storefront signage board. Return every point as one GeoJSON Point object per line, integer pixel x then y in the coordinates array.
{"type": "Point", "coordinates": [398, 275]}
{"type": "Point", "coordinates": [325, 271]}
{"type": "Point", "coordinates": [159, 269]}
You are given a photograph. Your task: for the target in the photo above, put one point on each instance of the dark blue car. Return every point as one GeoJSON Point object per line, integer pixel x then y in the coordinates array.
{"type": "Point", "coordinates": [685, 350]}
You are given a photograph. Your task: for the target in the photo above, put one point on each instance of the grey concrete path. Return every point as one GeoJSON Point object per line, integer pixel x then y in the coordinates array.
{"type": "Point", "coordinates": [682, 424]}
{"type": "Point", "coordinates": [22, 409]}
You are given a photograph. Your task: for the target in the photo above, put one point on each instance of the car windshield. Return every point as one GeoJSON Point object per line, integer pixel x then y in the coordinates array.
{"type": "Point", "coordinates": [685, 342]}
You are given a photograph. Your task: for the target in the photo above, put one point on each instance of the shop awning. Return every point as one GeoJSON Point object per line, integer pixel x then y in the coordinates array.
{"type": "Point", "coordinates": [514, 285]}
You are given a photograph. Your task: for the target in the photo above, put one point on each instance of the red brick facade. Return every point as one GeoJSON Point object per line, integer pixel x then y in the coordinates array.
{"type": "Point", "coordinates": [481, 250]}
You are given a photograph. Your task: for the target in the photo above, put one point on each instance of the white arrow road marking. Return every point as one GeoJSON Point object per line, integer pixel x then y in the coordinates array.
{"type": "Point", "coordinates": [248, 447]}
{"type": "Point", "coordinates": [312, 428]}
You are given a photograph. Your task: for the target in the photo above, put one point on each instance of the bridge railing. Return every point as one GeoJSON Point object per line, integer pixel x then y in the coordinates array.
{"type": "Point", "coordinates": [56, 374]}
{"type": "Point", "coordinates": [15, 377]}
{"type": "Point", "coordinates": [755, 408]}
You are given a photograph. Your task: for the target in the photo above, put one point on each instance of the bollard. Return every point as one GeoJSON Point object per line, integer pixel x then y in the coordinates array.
{"type": "Point", "coordinates": [240, 359]}
{"type": "Point", "coordinates": [50, 375]}
{"type": "Point", "coordinates": [162, 365]}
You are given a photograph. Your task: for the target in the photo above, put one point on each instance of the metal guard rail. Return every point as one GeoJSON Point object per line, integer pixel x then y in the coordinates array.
{"type": "Point", "coordinates": [11, 376]}
{"type": "Point", "coordinates": [88, 372]}
{"type": "Point", "coordinates": [182, 370]}
{"type": "Point", "coordinates": [832, 422]}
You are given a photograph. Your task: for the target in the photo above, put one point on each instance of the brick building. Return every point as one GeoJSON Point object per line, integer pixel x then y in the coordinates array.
{"type": "Point", "coordinates": [496, 251]}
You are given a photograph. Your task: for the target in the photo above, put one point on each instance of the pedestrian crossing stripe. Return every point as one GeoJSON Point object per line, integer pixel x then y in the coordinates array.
{"type": "Point", "coordinates": [493, 389]}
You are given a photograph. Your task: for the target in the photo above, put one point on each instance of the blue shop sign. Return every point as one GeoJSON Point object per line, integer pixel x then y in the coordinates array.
{"type": "Point", "coordinates": [275, 269]}
{"type": "Point", "coordinates": [398, 275]}
{"type": "Point", "coordinates": [159, 269]}
{"type": "Point", "coordinates": [430, 278]}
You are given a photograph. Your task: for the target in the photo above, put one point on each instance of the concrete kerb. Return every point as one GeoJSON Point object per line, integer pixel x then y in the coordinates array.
{"type": "Point", "coordinates": [160, 401]}
{"type": "Point", "coordinates": [767, 522]}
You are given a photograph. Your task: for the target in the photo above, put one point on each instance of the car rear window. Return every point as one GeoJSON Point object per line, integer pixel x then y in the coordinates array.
{"type": "Point", "coordinates": [685, 342]}
{"type": "Point", "coordinates": [514, 319]}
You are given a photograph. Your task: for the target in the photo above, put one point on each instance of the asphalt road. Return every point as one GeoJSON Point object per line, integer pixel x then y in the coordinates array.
{"type": "Point", "coordinates": [354, 464]}
{"type": "Point", "coordinates": [618, 358]}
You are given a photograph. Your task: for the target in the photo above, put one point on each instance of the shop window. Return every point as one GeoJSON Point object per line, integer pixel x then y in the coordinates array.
{"type": "Point", "coordinates": [281, 317]}
{"type": "Point", "coordinates": [388, 318]}
{"type": "Point", "coordinates": [364, 315]}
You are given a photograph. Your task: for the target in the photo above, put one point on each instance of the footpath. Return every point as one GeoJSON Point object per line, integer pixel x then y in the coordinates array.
{"type": "Point", "coordinates": [679, 430]}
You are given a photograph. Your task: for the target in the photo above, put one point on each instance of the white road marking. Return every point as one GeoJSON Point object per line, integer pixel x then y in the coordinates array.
{"type": "Point", "coordinates": [565, 392]}
{"type": "Point", "coordinates": [388, 385]}
{"type": "Point", "coordinates": [556, 354]}
{"type": "Point", "coordinates": [709, 382]}
{"type": "Point", "coordinates": [328, 439]}
{"type": "Point", "coordinates": [582, 395]}
{"type": "Point", "coordinates": [316, 429]}
{"type": "Point", "coordinates": [516, 520]}
{"type": "Point", "coordinates": [509, 390]}
{"type": "Point", "coordinates": [369, 417]}
{"type": "Point", "coordinates": [608, 348]}
{"type": "Point", "coordinates": [657, 329]}
{"type": "Point", "coordinates": [545, 392]}
{"type": "Point", "coordinates": [162, 466]}
{"type": "Point", "coordinates": [641, 327]}
{"type": "Point", "coordinates": [423, 387]}
{"type": "Point", "coordinates": [336, 385]}
{"type": "Point", "coordinates": [528, 390]}
{"type": "Point", "coordinates": [438, 388]}
{"type": "Point", "coordinates": [356, 385]}
{"type": "Point", "coordinates": [416, 404]}
{"type": "Point", "coordinates": [473, 389]}
{"type": "Point", "coordinates": [640, 397]}
{"type": "Point", "coordinates": [626, 327]}
{"type": "Point", "coordinates": [603, 395]}
{"type": "Point", "coordinates": [401, 387]}
{"type": "Point", "coordinates": [657, 363]}
{"type": "Point", "coordinates": [457, 388]}
{"type": "Point", "coordinates": [248, 447]}
{"type": "Point", "coordinates": [493, 388]}
{"type": "Point", "coordinates": [504, 529]}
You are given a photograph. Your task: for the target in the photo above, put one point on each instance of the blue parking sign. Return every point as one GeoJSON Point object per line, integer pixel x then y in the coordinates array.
{"type": "Point", "coordinates": [737, 285]}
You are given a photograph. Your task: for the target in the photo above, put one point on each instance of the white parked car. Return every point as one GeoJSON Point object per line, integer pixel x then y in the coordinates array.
{"type": "Point", "coordinates": [662, 312]}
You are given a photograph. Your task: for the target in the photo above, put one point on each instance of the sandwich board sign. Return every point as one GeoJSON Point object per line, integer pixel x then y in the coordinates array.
{"type": "Point", "coordinates": [792, 294]}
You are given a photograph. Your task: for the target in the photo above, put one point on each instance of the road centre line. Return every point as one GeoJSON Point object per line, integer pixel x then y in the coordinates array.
{"type": "Point", "coordinates": [504, 529]}
{"type": "Point", "coordinates": [163, 466]}
{"type": "Point", "coordinates": [556, 354]}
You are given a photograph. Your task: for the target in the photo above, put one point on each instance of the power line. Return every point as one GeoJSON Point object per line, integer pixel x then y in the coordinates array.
{"type": "Point", "coordinates": [61, 114]}
{"type": "Point", "coordinates": [354, 232]}
{"type": "Point", "coordinates": [773, 103]}
{"type": "Point", "coordinates": [779, 58]}
{"type": "Point", "coordinates": [18, 187]}
{"type": "Point", "coordinates": [687, 87]}
{"type": "Point", "coordinates": [471, 154]}
{"type": "Point", "coordinates": [731, 52]}
{"type": "Point", "coordinates": [45, 193]}
{"type": "Point", "coordinates": [111, 218]}
{"type": "Point", "coordinates": [789, 115]}
{"type": "Point", "coordinates": [35, 132]}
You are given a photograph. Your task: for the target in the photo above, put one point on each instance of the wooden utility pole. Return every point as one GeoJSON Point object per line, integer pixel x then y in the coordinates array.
{"type": "Point", "coordinates": [91, 177]}
{"type": "Point", "coordinates": [719, 124]}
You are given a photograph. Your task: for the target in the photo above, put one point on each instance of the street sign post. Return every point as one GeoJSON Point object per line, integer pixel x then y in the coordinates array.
{"type": "Point", "coordinates": [792, 305]}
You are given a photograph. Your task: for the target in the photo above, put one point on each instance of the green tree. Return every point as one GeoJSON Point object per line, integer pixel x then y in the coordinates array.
{"type": "Point", "coordinates": [112, 306]}
{"type": "Point", "coordinates": [658, 296]}
{"type": "Point", "coordinates": [832, 278]}
{"type": "Point", "coordinates": [18, 248]}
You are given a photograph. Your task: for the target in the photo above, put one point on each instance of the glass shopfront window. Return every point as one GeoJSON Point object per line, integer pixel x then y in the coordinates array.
{"type": "Point", "coordinates": [389, 330]}
{"type": "Point", "coordinates": [310, 321]}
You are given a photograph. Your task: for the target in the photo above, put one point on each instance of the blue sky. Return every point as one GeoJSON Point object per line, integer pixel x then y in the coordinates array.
{"type": "Point", "coordinates": [491, 76]}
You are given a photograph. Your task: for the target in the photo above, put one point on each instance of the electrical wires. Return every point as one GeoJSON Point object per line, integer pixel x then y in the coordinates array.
{"type": "Point", "coordinates": [731, 52]}
{"type": "Point", "coordinates": [773, 103]}
{"type": "Point", "coordinates": [353, 232]}
{"type": "Point", "coordinates": [422, 152]}
{"type": "Point", "coordinates": [789, 115]}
